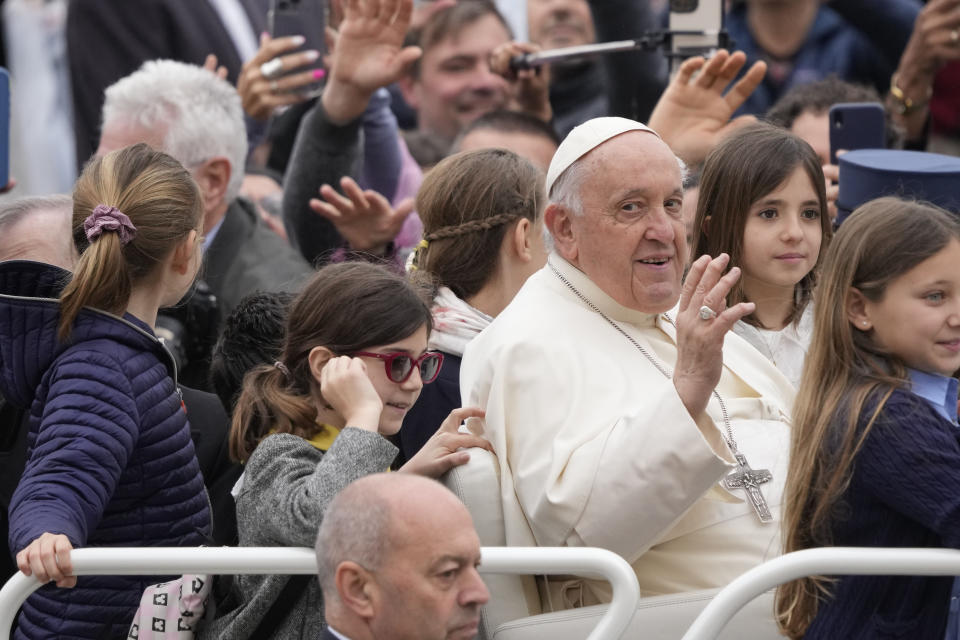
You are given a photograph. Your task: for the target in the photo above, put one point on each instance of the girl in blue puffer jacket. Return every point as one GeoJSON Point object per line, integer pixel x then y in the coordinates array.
{"type": "Point", "coordinates": [111, 462]}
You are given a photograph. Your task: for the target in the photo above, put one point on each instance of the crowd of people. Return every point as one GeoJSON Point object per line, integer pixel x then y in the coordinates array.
{"type": "Point", "coordinates": [270, 315]}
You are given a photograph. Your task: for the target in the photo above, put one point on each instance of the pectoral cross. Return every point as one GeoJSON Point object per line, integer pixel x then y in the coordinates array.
{"type": "Point", "coordinates": [749, 480]}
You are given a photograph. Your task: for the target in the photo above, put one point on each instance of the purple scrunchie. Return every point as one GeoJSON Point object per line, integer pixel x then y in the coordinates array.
{"type": "Point", "coordinates": [105, 218]}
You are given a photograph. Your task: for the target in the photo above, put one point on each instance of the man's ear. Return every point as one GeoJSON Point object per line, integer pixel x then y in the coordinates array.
{"type": "Point", "coordinates": [318, 359]}
{"type": "Point", "coordinates": [183, 253]}
{"type": "Point", "coordinates": [857, 312]}
{"type": "Point", "coordinates": [213, 176]}
{"type": "Point", "coordinates": [559, 222]}
{"type": "Point", "coordinates": [357, 589]}
{"type": "Point", "coordinates": [409, 89]}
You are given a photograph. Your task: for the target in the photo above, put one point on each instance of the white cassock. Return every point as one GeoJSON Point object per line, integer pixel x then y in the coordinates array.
{"type": "Point", "coordinates": [596, 448]}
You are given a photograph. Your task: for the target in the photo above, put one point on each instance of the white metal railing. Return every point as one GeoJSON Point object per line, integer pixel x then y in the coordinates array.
{"type": "Point", "coordinates": [811, 562]}
{"type": "Point", "coordinates": [588, 562]}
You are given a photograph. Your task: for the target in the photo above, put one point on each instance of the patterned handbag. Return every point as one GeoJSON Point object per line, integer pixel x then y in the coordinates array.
{"type": "Point", "coordinates": [171, 610]}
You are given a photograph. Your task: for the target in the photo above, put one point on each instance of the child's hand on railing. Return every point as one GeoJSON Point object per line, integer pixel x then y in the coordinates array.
{"type": "Point", "coordinates": [48, 558]}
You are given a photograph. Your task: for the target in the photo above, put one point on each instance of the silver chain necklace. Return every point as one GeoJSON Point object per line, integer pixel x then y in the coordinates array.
{"type": "Point", "coordinates": [744, 477]}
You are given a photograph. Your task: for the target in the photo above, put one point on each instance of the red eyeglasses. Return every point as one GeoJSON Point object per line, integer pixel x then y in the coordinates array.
{"type": "Point", "coordinates": [399, 365]}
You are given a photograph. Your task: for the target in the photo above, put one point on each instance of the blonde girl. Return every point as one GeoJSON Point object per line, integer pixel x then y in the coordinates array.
{"type": "Point", "coordinates": [874, 456]}
{"type": "Point", "coordinates": [111, 462]}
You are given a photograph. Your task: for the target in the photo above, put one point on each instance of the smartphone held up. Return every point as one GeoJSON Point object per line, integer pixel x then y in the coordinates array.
{"type": "Point", "coordinates": [304, 18]}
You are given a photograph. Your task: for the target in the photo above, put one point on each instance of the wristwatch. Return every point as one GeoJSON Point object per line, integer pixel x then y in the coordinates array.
{"type": "Point", "coordinates": [901, 103]}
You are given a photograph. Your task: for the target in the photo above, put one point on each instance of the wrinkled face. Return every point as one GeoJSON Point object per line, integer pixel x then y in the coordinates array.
{"type": "Point", "coordinates": [918, 317]}
{"type": "Point", "coordinates": [814, 129]}
{"type": "Point", "coordinates": [560, 23]}
{"type": "Point", "coordinates": [397, 397]}
{"type": "Point", "coordinates": [537, 149]}
{"type": "Point", "coordinates": [430, 587]}
{"type": "Point", "coordinates": [456, 85]}
{"type": "Point", "coordinates": [630, 240]}
{"type": "Point", "coordinates": [782, 236]}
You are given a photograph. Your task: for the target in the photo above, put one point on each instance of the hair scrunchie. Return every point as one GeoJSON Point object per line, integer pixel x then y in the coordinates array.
{"type": "Point", "coordinates": [106, 218]}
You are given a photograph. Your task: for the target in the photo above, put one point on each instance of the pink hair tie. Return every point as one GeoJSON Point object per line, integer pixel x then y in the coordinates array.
{"type": "Point", "coordinates": [105, 218]}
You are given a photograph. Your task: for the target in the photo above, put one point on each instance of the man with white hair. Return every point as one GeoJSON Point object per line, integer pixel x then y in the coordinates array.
{"type": "Point", "coordinates": [196, 117]}
{"type": "Point", "coordinates": [622, 419]}
{"type": "Point", "coordinates": [397, 556]}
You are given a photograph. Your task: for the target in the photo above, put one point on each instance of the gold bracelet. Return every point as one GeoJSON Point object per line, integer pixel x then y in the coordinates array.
{"type": "Point", "coordinates": [902, 104]}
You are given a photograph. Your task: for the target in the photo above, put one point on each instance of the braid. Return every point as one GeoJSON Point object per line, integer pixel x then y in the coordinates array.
{"type": "Point", "coordinates": [471, 226]}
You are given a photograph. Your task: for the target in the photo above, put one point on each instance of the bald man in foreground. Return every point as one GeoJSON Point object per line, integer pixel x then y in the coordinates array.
{"type": "Point", "coordinates": [397, 557]}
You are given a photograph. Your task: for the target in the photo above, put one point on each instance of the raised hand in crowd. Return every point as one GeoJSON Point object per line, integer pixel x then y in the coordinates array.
{"type": "Point", "coordinates": [260, 85]}
{"type": "Point", "coordinates": [935, 40]}
{"type": "Point", "coordinates": [443, 451]}
{"type": "Point", "coordinates": [693, 114]}
{"type": "Point", "coordinates": [369, 54]}
{"type": "Point", "coordinates": [531, 86]}
{"type": "Point", "coordinates": [364, 218]}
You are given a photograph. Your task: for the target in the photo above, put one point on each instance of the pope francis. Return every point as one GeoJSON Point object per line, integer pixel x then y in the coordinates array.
{"type": "Point", "coordinates": [623, 412]}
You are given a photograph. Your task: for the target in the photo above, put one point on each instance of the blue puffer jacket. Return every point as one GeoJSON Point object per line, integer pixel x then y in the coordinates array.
{"type": "Point", "coordinates": [110, 462]}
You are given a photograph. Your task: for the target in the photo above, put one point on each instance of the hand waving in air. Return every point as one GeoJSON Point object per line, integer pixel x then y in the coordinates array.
{"type": "Point", "coordinates": [364, 218]}
{"type": "Point", "coordinates": [369, 54]}
{"type": "Point", "coordinates": [693, 114]}
{"type": "Point", "coordinates": [703, 320]}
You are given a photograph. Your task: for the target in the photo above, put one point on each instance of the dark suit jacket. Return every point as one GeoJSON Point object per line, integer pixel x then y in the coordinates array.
{"type": "Point", "coordinates": [209, 429]}
{"type": "Point", "coordinates": [110, 39]}
{"type": "Point", "coordinates": [245, 256]}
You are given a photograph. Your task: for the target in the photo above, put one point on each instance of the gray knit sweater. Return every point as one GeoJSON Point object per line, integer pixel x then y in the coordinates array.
{"type": "Point", "coordinates": [287, 486]}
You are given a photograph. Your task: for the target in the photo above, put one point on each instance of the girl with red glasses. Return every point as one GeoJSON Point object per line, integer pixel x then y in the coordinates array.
{"type": "Point", "coordinates": [353, 362]}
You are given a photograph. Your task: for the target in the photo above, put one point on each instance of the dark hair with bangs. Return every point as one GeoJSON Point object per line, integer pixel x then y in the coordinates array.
{"type": "Point", "coordinates": [346, 307]}
{"type": "Point", "coordinates": [741, 170]}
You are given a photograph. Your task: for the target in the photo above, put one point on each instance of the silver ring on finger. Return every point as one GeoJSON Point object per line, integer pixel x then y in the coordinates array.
{"type": "Point", "coordinates": [271, 68]}
{"type": "Point", "coordinates": [954, 36]}
{"type": "Point", "coordinates": [706, 313]}
{"type": "Point", "coordinates": [274, 87]}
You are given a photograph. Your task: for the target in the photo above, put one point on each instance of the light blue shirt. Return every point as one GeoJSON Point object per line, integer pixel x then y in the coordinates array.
{"type": "Point", "coordinates": [940, 392]}
{"type": "Point", "coordinates": [208, 239]}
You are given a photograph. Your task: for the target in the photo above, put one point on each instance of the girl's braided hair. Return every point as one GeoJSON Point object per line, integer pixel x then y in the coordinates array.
{"type": "Point", "coordinates": [466, 204]}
